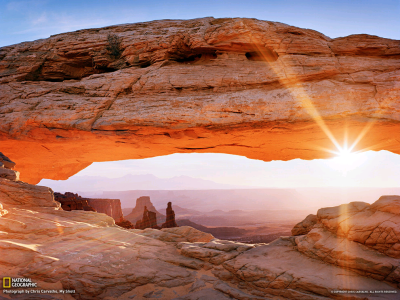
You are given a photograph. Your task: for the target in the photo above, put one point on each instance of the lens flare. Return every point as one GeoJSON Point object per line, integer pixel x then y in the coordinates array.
{"type": "Point", "coordinates": [346, 160]}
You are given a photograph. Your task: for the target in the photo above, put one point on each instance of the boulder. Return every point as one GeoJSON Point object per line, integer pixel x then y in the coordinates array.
{"type": "Point", "coordinates": [390, 204]}
{"type": "Point", "coordinates": [6, 162]}
{"type": "Point", "coordinates": [18, 194]}
{"type": "Point", "coordinates": [9, 174]}
{"type": "Point", "coordinates": [305, 226]}
{"type": "Point", "coordinates": [376, 226]}
{"type": "Point", "coordinates": [125, 224]}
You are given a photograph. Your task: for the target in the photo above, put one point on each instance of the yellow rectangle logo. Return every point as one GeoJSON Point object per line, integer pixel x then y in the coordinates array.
{"type": "Point", "coordinates": [5, 285]}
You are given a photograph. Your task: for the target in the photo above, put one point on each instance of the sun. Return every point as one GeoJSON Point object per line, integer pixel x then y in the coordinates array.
{"type": "Point", "coordinates": [345, 156]}
{"type": "Point", "coordinates": [346, 160]}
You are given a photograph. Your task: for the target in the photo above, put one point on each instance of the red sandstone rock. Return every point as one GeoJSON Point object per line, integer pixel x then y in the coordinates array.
{"type": "Point", "coordinates": [9, 174]}
{"type": "Point", "coordinates": [239, 86]}
{"type": "Point", "coordinates": [71, 201]}
{"type": "Point", "coordinates": [110, 207]}
{"type": "Point", "coordinates": [137, 211]}
{"type": "Point", "coordinates": [351, 247]}
{"type": "Point", "coordinates": [6, 162]}
{"type": "Point", "coordinates": [125, 224]}
{"type": "Point", "coordinates": [305, 226]}
{"type": "Point", "coordinates": [149, 220]}
{"type": "Point", "coordinates": [170, 219]}
{"type": "Point", "coordinates": [18, 193]}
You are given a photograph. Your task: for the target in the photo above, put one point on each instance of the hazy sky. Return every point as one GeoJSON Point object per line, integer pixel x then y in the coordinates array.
{"type": "Point", "coordinates": [33, 19]}
{"type": "Point", "coordinates": [368, 169]}
{"type": "Point", "coordinates": [26, 20]}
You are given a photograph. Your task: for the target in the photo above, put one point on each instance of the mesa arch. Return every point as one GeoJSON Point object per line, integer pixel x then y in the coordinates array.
{"type": "Point", "coordinates": [265, 90]}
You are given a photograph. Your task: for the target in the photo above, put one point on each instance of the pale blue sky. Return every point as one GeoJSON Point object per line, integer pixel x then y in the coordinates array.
{"type": "Point", "coordinates": [26, 20]}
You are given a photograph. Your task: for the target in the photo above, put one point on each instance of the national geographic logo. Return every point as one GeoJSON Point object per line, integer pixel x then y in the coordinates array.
{"type": "Point", "coordinates": [6, 282]}
{"type": "Point", "coordinates": [9, 282]}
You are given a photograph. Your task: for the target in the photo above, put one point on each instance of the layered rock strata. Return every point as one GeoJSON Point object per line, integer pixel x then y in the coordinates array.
{"type": "Point", "coordinates": [357, 236]}
{"type": "Point", "coordinates": [351, 248]}
{"type": "Point", "coordinates": [137, 212]}
{"type": "Point", "coordinates": [110, 207]}
{"type": "Point", "coordinates": [71, 201]}
{"type": "Point", "coordinates": [149, 220]}
{"type": "Point", "coordinates": [260, 89]}
{"type": "Point", "coordinates": [170, 219]}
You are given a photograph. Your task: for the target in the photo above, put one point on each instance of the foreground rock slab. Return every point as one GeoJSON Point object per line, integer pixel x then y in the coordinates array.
{"type": "Point", "coordinates": [85, 251]}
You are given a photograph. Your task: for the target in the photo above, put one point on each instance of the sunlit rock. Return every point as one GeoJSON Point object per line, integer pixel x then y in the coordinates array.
{"type": "Point", "coordinates": [239, 86]}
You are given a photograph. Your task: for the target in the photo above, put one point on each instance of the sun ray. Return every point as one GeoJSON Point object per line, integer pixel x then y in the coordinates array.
{"type": "Point", "coordinates": [306, 102]}
{"type": "Point", "coordinates": [303, 97]}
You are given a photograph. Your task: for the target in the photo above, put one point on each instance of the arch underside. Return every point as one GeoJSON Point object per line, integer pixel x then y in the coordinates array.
{"type": "Point", "coordinates": [260, 89]}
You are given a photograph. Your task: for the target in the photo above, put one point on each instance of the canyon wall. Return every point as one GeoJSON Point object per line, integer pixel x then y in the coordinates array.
{"type": "Point", "coordinates": [71, 201]}
{"type": "Point", "coordinates": [110, 207]}
{"type": "Point", "coordinates": [260, 89]}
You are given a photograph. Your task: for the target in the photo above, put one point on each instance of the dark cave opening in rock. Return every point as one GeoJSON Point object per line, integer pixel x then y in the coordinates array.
{"type": "Point", "coordinates": [262, 55]}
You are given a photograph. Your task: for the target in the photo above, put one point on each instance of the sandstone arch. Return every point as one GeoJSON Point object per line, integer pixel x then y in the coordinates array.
{"type": "Point", "coordinates": [188, 86]}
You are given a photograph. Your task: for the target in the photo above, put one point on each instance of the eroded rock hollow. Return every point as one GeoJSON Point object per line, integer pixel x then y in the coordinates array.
{"type": "Point", "coordinates": [261, 89]}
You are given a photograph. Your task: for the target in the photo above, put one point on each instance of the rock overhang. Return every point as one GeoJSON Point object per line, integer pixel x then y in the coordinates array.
{"type": "Point", "coordinates": [260, 89]}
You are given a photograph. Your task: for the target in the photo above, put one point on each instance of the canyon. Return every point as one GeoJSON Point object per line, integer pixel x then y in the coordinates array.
{"type": "Point", "coordinates": [352, 247]}
{"type": "Point", "coordinates": [260, 89]}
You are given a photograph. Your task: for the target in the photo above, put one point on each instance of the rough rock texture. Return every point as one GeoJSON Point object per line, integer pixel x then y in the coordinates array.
{"type": "Point", "coordinates": [170, 219]}
{"type": "Point", "coordinates": [305, 226]}
{"type": "Point", "coordinates": [18, 193]}
{"type": "Point", "coordinates": [5, 162]}
{"type": "Point", "coordinates": [360, 237]}
{"type": "Point", "coordinates": [125, 224]}
{"type": "Point", "coordinates": [149, 220]}
{"type": "Point", "coordinates": [85, 251]}
{"type": "Point", "coordinates": [71, 201]}
{"type": "Point", "coordinates": [137, 211]}
{"type": "Point", "coordinates": [9, 174]}
{"type": "Point", "coordinates": [110, 207]}
{"type": "Point", "coordinates": [241, 86]}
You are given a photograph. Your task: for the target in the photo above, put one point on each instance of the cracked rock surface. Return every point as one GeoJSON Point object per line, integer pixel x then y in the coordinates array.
{"type": "Point", "coordinates": [238, 86]}
{"type": "Point", "coordinates": [353, 247]}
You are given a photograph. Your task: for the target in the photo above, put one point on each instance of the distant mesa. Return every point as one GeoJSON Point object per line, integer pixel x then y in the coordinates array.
{"type": "Point", "coordinates": [149, 217]}
{"type": "Point", "coordinates": [137, 212]}
{"type": "Point", "coordinates": [111, 207]}
{"type": "Point", "coordinates": [71, 201]}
